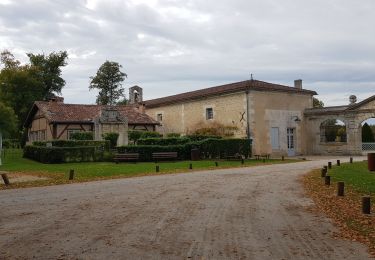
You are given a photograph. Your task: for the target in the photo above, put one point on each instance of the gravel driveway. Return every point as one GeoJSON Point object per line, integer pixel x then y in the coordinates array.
{"type": "Point", "coordinates": [243, 213]}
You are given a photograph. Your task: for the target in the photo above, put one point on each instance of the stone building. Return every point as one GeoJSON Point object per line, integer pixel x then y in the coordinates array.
{"type": "Point", "coordinates": [272, 115]}
{"type": "Point", "coordinates": [55, 120]}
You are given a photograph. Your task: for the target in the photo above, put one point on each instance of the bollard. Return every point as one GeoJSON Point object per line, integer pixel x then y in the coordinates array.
{"type": "Point", "coordinates": [329, 165]}
{"type": "Point", "coordinates": [242, 161]}
{"type": "Point", "coordinates": [5, 179]}
{"type": "Point", "coordinates": [191, 166]}
{"type": "Point", "coordinates": [157, 168]}
{"type": "Point", "coordinates": [264, 160]}
{"type": "Point", "coordinates": [324, 172]}
{"type": "Point", "coordinates": [366, 205]}
{"type": "Point", "coordinates": [325, 167]}
{"type": "Point", "coordinates": [71, 175]}
{"type": "Point", "coordinates": [340, 188]}
{"type": "Point", "coordinates": [351, 159]}
{"type": "Point", "coordinates": [327, 180]}
{"type": "Point", "coordinates": [216, 164]}
{"type": "Point", "coordinates": [338, 162]}
{"type": "Point", "coordinates": [282, 158]}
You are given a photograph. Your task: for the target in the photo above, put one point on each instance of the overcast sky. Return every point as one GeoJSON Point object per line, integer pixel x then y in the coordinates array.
{"type": "Point", "coordinates": [172, 46]}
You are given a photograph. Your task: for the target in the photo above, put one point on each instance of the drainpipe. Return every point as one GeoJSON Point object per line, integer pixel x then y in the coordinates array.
{"type": "Point", "coordinates": [247, 115]}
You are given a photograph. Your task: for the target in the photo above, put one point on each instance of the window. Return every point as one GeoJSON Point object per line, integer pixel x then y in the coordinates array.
{"type": "Point", "coordinates": [209, 113]}
{"type": "Point", "coordinates": [71, 131]}
{"type": "Point", "coordinates": [42, 135]}
{"type": "Point", "coordinates": [275, 138]}
{"type": "Point", "coordinates": [159, 117]}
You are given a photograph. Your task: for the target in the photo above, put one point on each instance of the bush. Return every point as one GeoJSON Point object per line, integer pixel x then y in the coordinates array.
{"type": "Point", "coordinates": [163, 141]}
{"type": "Point", "coordinates": [73, 143]}
{"type": "Point", "coordinates": [63, 154]}
{"type": "Point", "coordinates": [11, 143]}
{"type": "Point", "coordinates": [220, 148]}
{"type": "Point", "coordinates": [82, 136]}
{"type": "Point", "coordinates": [195, 138]}
{"type": "Point", "coordinates": [134, 136]}
{"type": "Point", "coordinates": [112, 138]}
{"type": "Point", "coordinates": [145, 151]}
{"type": "Point", "coordinates": [149, 134]}
{"type": "Point", "coordinates": [170, 135]}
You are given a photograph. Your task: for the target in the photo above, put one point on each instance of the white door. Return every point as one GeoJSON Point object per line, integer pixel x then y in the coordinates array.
{"type": "Point", "coordinates": [291, 141]}
{"type": "Point", "coordinates": [275, 138]}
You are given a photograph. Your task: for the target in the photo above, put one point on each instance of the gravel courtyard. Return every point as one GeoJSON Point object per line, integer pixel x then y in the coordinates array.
{"type": "Point", "coordinates": [243, 213]}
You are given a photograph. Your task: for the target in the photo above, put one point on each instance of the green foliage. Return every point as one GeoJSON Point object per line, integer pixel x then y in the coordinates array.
{"type": "Point", "coordinates": [220, 148]}
{"type": "Point", "coordinates": [112, 138]}
{"type": "Point", "coordinates": [82, 136]}
{"type": "Point", "coordinates": [317, 103]}
{"type": "Point", "coordinates": [145, 151]}
{"type": "Point", "coordinates": [108, 80]}
{"type": "Point", "coordinates": [134, 135]}
{"type": "Point", "coordinates": [73, 143]}
{"type": "Point", "coordinates": [149, 134]}
{"type": "Point", "coordinates": [8, 120]}
{"type": "Point", "coordinates": [163, 141]}
{"type": "Point", "coordinates": [195, 138]}
{"type": "Point", "coordinates": [11, 143]}
{"type": "Point", "coordinates": [63, 154]}
{"type": "Point", "coordinates": [49, 70]}
{"type": "Point", "coordinates": [170, 135]}
{"type": "Point", "coordinates": [122, 102]}
{"type": "Point", "coordinates": [367, 134]}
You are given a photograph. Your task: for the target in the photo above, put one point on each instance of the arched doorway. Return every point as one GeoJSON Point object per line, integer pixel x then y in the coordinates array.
{"type": "Point", "coordinates": [368, 135]}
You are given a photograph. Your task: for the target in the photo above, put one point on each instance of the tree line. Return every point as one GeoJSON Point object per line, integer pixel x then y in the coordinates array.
{"type": "Point", "coordinates": [40, 79]}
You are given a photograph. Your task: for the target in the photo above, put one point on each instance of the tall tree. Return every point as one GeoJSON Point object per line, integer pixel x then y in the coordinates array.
{"type": "Point", "coordinates": [317, 103]}
{"type": "Point", "coordinates": [108, 80]}
{"type": "Point", "coordinates": [49, 70]}
{"type": "Point", "coordinates": [8, 120]}
{"type": "Point", "coordinates": [367, 134]}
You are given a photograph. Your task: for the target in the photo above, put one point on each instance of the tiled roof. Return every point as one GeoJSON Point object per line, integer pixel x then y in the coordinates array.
{"type": "Point", "coordinates": [224, 89]}
{"type": "Point", "coordinates": [60, 112]}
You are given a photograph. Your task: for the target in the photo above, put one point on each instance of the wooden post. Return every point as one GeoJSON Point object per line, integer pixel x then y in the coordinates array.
{"type": "Point", "coordinates": [338, 162]}
{"type": "Point", "coordinates": [264, 160]}
{"type": "Point", "coordinates": [282, 158]}
{"type": "Point", "coordinates": [351, 159]}
{"type": "Point", "coordinates": [340, 188]}
{"type": "Point", "coordinates": [325, 167]}
{"type": "Point", "coordinates": [5, 179]}
{"type": "Point", "coordinates": [324, 172]}
{"type": "Point", "coordinates": [329, 165]}
{"type": "Point", "coordinates": [242, 161]}
{"type": "Point", "coordinates": [216, 164]}
{"type": "Point", "coordinates": [327, 180]}
{"type": "Point", "coordinates": [366, 205]}
{"type": "Point", "coordinates": [71, 175]}
{"type": "Point", "coordinates": [157, 168]}
{"type": "Point", "coordinates": [191, 166]}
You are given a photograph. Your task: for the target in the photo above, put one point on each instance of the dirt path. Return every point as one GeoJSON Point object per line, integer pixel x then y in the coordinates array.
{"type": "Point", "coordinates": [245, 213]}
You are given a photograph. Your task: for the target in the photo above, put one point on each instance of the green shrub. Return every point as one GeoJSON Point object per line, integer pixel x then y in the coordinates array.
{"type": "Point", "coordinates": [149, 134]}
{"type": "Point", "coordinates": [63, 154]}
{"type": "Point", "coordinates": [163, 141]}
{"type": "Point", "coordinates": [73, 143]}
{"type": "Point", "coordinates": [82, 136]}
{"type": "Point", "coordinates": [220, 148]}
{"type": "Point", "coordinates": [112, 138]}
{"type": "Point", "coordinates": [145, 151]}
{"type": "Point", "coordinates": [170, 135]}
{"type": "Point", "coordinates": [195, 138]}
{"type": "Point", "coordinates": [134, 135]}
{"type": "Point", "coordinates": [11, 143]}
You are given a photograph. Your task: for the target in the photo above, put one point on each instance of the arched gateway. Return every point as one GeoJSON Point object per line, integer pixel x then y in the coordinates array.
{"type": "Point", "coordinates": [348, 138]}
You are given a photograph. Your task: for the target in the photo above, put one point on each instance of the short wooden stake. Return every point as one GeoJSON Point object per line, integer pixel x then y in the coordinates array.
{"type": "Point", "coordinates": [327, 180]}
{"type": "Point", "coordinates": [338, 162]}
{"type": "Point", "coordinates": [157, 168]}
{"type": "Point", "coordinates": [5, 179]}
{"type": "Point", "coordinates": [340, 188]}
{"type": "Point", "coordinates": [351, 159]}
{"type": "Point", "coordinates": [242, 161]}
{"type": "Point", "coordinates": [323, 172]}
{"type": "Point", "coordinates": [325, 167]}
{"type": "Point", "coordinates": [216, 164]}
{"type": "Point", "coordinates": [71, 175]}
{"type": "Point", "coordinates": [282, 158]}
{"type": "Point", "coordinates": [264, 160]}
{"type": "Point", "coordinates": [366, 205]}
{"type": "Point", "coordinates": [329, 165]}
{"type": "Point", "coordinates": [191, 166]}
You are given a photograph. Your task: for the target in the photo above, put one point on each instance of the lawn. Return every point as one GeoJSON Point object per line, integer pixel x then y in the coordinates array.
{"type": "Point", "coordinates": [356, 175]}
{"type": "Point", "coordinates": [58, 173]}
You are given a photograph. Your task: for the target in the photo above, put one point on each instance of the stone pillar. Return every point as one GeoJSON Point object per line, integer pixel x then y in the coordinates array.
{"type": "Point", "coordinates": [123, 134]}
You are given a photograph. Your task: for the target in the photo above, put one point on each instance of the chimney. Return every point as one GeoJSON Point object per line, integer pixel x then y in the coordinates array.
{"type": "Point", "coordinates": [298, 83]}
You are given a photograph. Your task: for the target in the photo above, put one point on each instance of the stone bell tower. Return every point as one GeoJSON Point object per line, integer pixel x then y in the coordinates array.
{"type": "Point", "coordinates": [135, 95]}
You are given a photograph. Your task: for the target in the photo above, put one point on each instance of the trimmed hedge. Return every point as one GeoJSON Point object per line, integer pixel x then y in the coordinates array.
{"type": "Point", "coordinates": [82, 136]}
{"type": "Point", "coordinates": [63, 154]}
{"type": "Point", "coordinates": [195, 138]}
{"type": "Point", "coordinates": [163, 141]}
{"type": "Point", "coordinates": [145, 151]}
{"type": "Point", "coordinates": [220, 148]}
{"type": "Point", "coordinates": [73, 143]}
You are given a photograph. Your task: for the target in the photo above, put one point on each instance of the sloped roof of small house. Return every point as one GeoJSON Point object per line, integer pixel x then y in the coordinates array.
{"type": "Point", "coordinates": [58, 112]}
{"type": "Point", "coordinates": [225, 89]}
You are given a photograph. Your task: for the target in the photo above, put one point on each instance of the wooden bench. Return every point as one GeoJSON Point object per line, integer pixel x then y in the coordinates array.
{"type": "Point", "coordinates": [263, 156]}
{"type": "Point", "coordinates": [122, 157]}
{"type": "Point", "coordinates": [164, 156]}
